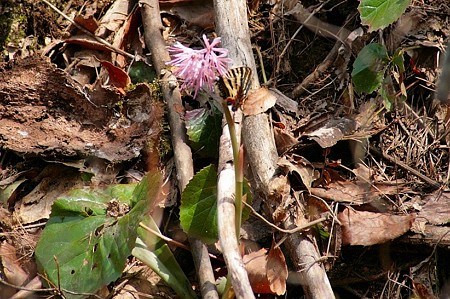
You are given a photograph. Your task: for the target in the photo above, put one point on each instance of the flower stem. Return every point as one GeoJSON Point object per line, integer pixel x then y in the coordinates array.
{"type": "Point", "coordinates": [238, 168]}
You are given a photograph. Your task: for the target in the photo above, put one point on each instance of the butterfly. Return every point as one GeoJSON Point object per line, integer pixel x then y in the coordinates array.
{"type": "Point", "coordinates": [234, 85]}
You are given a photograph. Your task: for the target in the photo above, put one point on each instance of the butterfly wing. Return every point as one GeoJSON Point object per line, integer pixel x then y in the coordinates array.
{"type": "Point", "coordinates": [235, 84]}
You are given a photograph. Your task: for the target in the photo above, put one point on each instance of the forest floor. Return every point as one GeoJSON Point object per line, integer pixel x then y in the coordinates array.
{"type": "Point", "coordinates": [377, 165]}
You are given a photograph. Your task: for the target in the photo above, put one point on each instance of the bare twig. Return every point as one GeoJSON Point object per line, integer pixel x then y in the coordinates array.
{"type": "Point", "coordinates": [286, 231]}
{"type": "Point", "coordinates": [100, 40]}
{"type": "Point", "coordinates": [232, 27]}
{"type": "Point", "coordinates": [182, 153]}
{"type": "Point", "coordinates": [406, 167]}
{"type": "Point", "coordinates": [34, 282]}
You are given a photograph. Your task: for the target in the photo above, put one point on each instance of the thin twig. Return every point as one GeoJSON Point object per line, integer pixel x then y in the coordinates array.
{"type": "Point", "coordinates": [408, 168]}
{"type": "Point", "coordinates": [286, 231]}
{"type": "Point", "coordinates": [59, 291]}
{"type": "Point", "coordinates": [167, 239]}
{"type": "Point", "coordinates": [291, 40]}
{"type": "Point", "coordinates": [100, 40]}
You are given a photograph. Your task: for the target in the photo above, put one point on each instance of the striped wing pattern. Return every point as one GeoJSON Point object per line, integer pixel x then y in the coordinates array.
{"type": "Point", "coordinates": [235, 84]}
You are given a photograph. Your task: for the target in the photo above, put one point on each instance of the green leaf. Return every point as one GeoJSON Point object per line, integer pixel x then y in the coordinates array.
{"type": "Point", "coordinates": [198, 211]}
{"type": "Point", "coordinates": [141, 72]}
{"type": "Point", "coordinates": [378, 14]}
{"type": "Point", "coordinates": [155, 253]}
{"type": "Point", "coordinates": [388, 93]}
{"type": "Point", "coordinates": [204, 129]}
{"type": "Point", "coordinates": [83, 247]}
{"type": "Point", "coordinates": [6, 193]}
{"type": "Point", "coordinates": [369, 68]}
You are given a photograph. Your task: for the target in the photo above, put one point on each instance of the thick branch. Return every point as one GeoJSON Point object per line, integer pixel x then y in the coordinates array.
{"type": "Point", "coordinates": [182, 152]}
{"type": "Point", "coordinates": [232, 26]}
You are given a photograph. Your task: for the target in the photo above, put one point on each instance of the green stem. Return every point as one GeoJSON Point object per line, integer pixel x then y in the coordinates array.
{"type": "Point", "coordinates": [238, 168]}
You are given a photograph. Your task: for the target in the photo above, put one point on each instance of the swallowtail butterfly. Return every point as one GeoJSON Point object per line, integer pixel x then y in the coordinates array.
{"type": "Point", "coordinates": [234, 85]}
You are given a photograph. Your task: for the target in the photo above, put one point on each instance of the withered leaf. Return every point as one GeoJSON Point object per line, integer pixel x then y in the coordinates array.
{"type": "Point", "coordinates": [277, 271]}
{"type": "Point", "coordinates": [368, 228]}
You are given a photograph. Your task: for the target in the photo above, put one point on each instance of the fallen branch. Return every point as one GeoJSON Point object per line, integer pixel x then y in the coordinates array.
{"type": "Point", "coordinates": [99, 39]}
{"type": "Point", "coordinates": [406, 167]}
{"type": "Point", "coordinates": [151, 20]}
{"type": "Point", "coordinates": [262, 156]}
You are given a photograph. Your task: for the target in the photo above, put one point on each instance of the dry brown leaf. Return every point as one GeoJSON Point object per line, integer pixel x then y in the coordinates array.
{"type": "Point", "coordinates": [422, 291]}
{"type": "Point", "coordinates": [345, 191]}
{"type": "Point", "coordinates": [437, 210]}
{"type": "Point", "coordinates": [277, 271]}
{"type": "Point", "coordinates": [302, 167]}
{"type": "Point", "coordinates": [89, 23]}
{"type": "Point", "coordinates": [114, 18]}
{"type": "Point", "coordinates": [367, 228]}
{"type": "Point", "coordinates": [117, 77]}
{"type": "Point", "coordinates": [258, 101]}
{"type": "Point", "coordinates": [194, 12]}
{"type": "Point", "coordinates": [284, 139]}
{"type": "Point", "coordinates": [12, 270]}
{"type": "Point", "coordinates": [332, 131]}
{"type": "Point", "coordinates": [256, 266]}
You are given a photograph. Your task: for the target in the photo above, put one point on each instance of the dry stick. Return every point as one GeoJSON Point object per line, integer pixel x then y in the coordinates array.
{"type": "Point", "coordinates": [323, 29]}
{"type": "Point", "coordinates": [100, 40]}
{"type": "Point", "coordinates": [262, 156]}
{"type": "Point", "coordinates": [286, 231]}
{"type": "Point", "coordinates": [232, 26]}
{"type": "Point", "coordinates": [182, 153]}
{"type": "Point", "coordinates": [402, 165]}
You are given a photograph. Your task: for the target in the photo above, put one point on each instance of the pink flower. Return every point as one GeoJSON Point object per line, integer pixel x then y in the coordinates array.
{"type": "Point", "coordinates": [199, 68]}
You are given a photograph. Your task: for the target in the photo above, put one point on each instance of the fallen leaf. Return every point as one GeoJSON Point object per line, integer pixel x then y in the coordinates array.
{"type": "Point", "coordinates": [345, 191]}
{"type": "Point", "coordinates": [117, 77]}
{"type": "Point", "coordinates": [88, 23]}
{"type": "Point", "coordinates": [258, 101]}
{"type": "Point", "coordinates": [367, 228]}
{"type": "Point", "coordinates": [332, 131]}
{"type": "Point", "coordinates": [355, 192]}
{"type": "Point", "coordinates": [284, 139]}
{"type": "Point", "coordinates": [422, 291]}
{"type": "Point", "coordinates": [437, 210]}
{"type": "Point", "coordinates": [12, 270]}
{"type": "Point", "coordinates": [302, 167]}
{"type": "Point", "coordinates": [277, 271]}
{"type": "Point", "coordinates": [256, 266]}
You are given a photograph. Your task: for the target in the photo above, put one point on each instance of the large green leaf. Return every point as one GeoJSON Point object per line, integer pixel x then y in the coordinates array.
{"type": "Point", "coordinates": [87, 239]}
{"type": "Point", "coordinates": [155, 253]}
{"type": "Point", "coordinates": [378, 14]}
{"type": "Point", "coordinates": [198, 211]}
{"type": "Point", "coordinates": [204, 129]}
{"type": "Point", "coordinates": [369, 68]}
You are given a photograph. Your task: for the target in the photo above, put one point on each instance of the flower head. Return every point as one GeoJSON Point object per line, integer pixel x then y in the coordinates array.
{"type": "Point", "coordinates": [199, 68]}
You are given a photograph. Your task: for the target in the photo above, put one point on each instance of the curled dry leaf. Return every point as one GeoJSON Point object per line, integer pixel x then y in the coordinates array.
{"type": "Point", "coordinates": [267, 272]}
{"type": "Point", "coordinates": [277, 271]}
{"type": "Point", "coordinates": [284, 139]}
{"type": "Point", "coordinates": [256, 265]}
{"type": "Point", "coordinates": [117, 77]}
{"type": "Point", "coordinates": [332, 131]}
{"type": "Point", "coordinates": [258, 101]}
{"type": "Point", "coordinates": [302, 167]}
{"type": "Point", "coordinates": [367, 228]}
{"type": "Point", "coordinates": [89, 23]}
